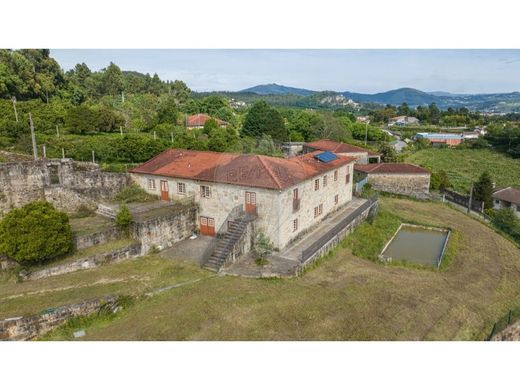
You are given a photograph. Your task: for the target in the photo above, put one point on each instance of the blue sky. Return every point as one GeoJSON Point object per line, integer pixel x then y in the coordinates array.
{"type": "Point", "coordinates": [366, 71]}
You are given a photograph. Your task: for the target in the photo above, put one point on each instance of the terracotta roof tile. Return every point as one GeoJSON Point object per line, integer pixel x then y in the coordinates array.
{"type": "Point", "coordinates": [508, 194]}
{"type": "Point", "coordinates": [390, 168]}
{"type": "Point", "coordinates": [201, 119]}
{"type": "Point", "coordinates": [240, 169]}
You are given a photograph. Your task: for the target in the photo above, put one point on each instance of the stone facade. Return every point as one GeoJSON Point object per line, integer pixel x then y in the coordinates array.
{"type": "Point", "coordinates": [176, 224]}
{"type": "Point", "coordinates": [27, 328]}
{"type": "Point", "coordinates": [274, 208]}
{"type": "Point", "coordinates": [65, 183]}
{"type": "Point", "coordinates": [417, 185]}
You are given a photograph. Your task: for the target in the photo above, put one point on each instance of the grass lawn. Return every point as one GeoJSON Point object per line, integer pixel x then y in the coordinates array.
{"type": "Point", "coordinates": [343, 298]}
{"type": "Point", "coordinates": [88, 225]}
{"type": "Point", "coordinates": [466, 165]}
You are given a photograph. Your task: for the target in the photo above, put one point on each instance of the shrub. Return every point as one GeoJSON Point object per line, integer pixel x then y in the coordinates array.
{"type": "Point", "coordinates": [124, 218]}
{"type": "Point", "coordinates": [506, 220]}
{"type": "Point", "coordinates": [263, 246]}
{"type": "Point", "coordinates": [36, 232]}
{"type": "Point", "coordinates": [134, 193]}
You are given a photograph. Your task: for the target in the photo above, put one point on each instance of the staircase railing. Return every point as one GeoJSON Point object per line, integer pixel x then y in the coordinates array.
{"type": "Point", "coordinates": [235, 213]}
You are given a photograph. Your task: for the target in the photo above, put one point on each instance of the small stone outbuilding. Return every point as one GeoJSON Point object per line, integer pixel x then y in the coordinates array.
{"type": "Point", "coordinates": [396, 178]}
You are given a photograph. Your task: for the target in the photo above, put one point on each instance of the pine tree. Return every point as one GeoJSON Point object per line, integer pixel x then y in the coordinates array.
{"type": "Point", "coordinates": [483, 190]}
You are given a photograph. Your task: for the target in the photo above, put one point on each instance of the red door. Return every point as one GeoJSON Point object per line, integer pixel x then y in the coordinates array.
{"type": "Point", "coordinates": [207, 226]}
{"type": "Point", "coordinates": [164, 190]}
{"type": "Point", "coordinates": [250, 202]}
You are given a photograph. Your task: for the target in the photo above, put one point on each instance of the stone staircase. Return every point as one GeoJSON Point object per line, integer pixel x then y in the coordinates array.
{"type": "Point", "coordinates": [106, 211]}
{"type": "Point", "coordinates": [224, 246]}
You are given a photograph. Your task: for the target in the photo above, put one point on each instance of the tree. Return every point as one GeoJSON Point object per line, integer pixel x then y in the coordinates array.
{"type": "Point", "coordinates": [388, 154]}
{"type": "Point", "coordinates": [439, 181]}
{"type": "Point", "coordinates": [112, 80]}
{"type": "Point", "coordinates": [124, 218]}
{"type": "Point", "coordinates": [262, 119]}
{"type": "Point", "coordinates": [506, 220]}
{"type": "Point", "coordinates": [483, 190]}
{"type": "Point", "coordinates": [35, 232]}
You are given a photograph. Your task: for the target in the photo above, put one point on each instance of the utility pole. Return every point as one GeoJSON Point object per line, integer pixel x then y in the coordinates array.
{"type": "Point", "coordinates": [366, 132]}
{"type": "Point", "coordinates": [154, 135]}
{"type": "Point", "coordinates": [63, 153]}
{"type": "Point", "coordinates": [122, 96]}
{"type": "Point", "coordinates": [121, 130]}
{"type": "Point", "coordinates": [470, 198]}
{"type": "Point", "coordinates": [172, 136]}
{"type": "Point", "coordinates": [33, 138]}
{"type": "Point", "coordinates": [93, 157]}
{"type": "Point", "coordinates": [44, 152]}
{"type": "Point", "coordinates": [57, 131]}
{"type": "Point", "coordinates": [14, 108]}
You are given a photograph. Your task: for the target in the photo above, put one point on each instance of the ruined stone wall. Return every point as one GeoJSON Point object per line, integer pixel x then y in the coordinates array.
{"type": "Point", "coordinates": [417, 185]}
{"type": "Point", "coordinates": [111, 233]}
{"type": "Point", "coordinates": [65, 183]}
{"type": "Point", "coordinates": [165, 230]}
{"type": "Point", "coordinates": [27, 328]}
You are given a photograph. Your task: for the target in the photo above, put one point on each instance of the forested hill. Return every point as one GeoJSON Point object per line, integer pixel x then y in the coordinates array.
{"type": "Point", "coordinates": [275, 89]}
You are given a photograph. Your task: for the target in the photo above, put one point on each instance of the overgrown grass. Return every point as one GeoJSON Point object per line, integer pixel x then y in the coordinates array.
{"type": "Point", "coordinates": [369, 238]}
{"type": "Point", "coordinates": [464, 166]}
{"type": "Point", "coordinates": [134, 193]}
{"type": "Point", "coordinates": [102, 318]}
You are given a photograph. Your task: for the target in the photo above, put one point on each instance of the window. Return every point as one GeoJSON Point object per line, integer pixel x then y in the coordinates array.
{"type": "Point", "coordinates": [335, 175]}
{"type": "Point", "coordinates": [336, 199]}
{"type": "Point", "coordinates": [320, 209]}
{"type": "Point", "coordinates": [316, 184]}
{"type": "Point", "coordinates": [181, 188]}
{"type": "Point", "coordinates": [316, 212]}
{"type": "Point", "coordinates": [325, 181]}
{"type": "Point", "coordinates": [296, 200]}
{"type": "Point", "coordinates": [151, 184]}
{"type": "Point", "coordinates": [295, 193]}
{"type": "Point", "coordinates": [347, 179]}
{"type": "Point", "coordinates": [295, 224]}
{"type": "Point", "coordinates": [518, 209]}
{"type": "Point", "coordinates": [205, 191]}
{"type": "Point", "coordinates": [497, 201]}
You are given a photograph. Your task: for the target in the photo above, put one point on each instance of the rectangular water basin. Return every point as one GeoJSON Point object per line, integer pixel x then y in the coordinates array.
{"type": "Point", "coordinates": [417, 244]}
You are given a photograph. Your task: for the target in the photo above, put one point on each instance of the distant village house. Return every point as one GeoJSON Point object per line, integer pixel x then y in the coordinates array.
{"type": "Point", "coordinates": [403, 121]}
{"type": "Point", "coordinates": [362, 156]}
{"type": "Point", "coordinates": [199, 120]}
{"type": "Point", "coordinates": [507, 198]}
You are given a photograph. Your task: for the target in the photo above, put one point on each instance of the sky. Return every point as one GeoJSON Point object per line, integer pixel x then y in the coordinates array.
{"type": "Point", "coordinates": [363, 71]}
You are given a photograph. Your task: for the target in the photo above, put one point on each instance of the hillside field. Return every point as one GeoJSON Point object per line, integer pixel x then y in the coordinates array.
{"type": "Point", "coordinates": [466, 165]}
{"type": "Point", "coordinates": [344, 297]}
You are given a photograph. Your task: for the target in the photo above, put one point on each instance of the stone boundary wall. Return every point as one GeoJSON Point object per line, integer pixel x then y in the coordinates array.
{"type": "Point", "coordinates": [94, 261]}
{"type": "Point", "coordinates": [97, 238]}
{"type": "Point", "coordinates": [511, 333]}
{"type": "Point", "coordinates": [30, 327]}
{"type": "Point", "coordinates": [65, 183]}
{"type": "Point", "coordinates": [337, 238]}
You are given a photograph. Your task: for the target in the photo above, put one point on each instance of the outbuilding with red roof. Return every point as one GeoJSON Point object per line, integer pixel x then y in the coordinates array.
{"type": "Point", "coordinates": [362, 156]}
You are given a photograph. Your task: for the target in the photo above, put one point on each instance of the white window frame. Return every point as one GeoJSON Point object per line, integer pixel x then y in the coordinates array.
{"type": "Point", "coordinates": [325, 179]}
{"type": "Point", "coordinates": [295, 224]}
{"type": "Point", "coordinates": [336, 175]}
{"type": "Point", "coordinates": [183, 186]}
{"type": "Point", "coordinates": [336, 199]}
{"type": "Point", "coordinates": [316, 184]}
{"type": "Point", "coordinates": [151, 184]}
{"type": "Point", "coordinates": [205, 191]}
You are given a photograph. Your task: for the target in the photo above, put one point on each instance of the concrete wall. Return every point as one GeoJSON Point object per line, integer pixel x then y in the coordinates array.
{"type": "Point", "coordinates": [27, 328]}
{"type": "Point", "coordinates": [65, 183]}
{"type": "Point", "coordinates": [274, 208]}
{"type": "Point", "coordinates": [404, 184]}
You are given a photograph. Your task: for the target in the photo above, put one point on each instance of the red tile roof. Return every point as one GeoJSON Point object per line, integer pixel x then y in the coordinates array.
{"type": "Point", "coordinates": [241, 169]}
{"type": "Point", "coordinates": [200, 119]}
{"type": "Point", "coordinates": [338, 147]}
{"type": "Point", "coordinates": [508, 194]}
{"type": "Point", "coordinates": [390, 168]}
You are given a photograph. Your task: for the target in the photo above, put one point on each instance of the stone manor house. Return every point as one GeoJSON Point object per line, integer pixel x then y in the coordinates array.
{"type": "Point", "coordinates": [284, 197]}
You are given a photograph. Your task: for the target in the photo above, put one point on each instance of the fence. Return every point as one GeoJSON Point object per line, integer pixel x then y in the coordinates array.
{"type": "Point", "coordinates": [504, 322]}
{"type": "Point", "coordinates": [463, 200]}
{"type": "Point", "coordinates": [322, 241]}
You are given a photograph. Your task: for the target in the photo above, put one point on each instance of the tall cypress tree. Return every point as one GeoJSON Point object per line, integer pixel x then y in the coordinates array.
{"type": "Point", "coordinates": [483, 190]}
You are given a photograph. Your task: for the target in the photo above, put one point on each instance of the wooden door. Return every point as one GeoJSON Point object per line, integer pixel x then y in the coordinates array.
{"type": "Point", "coordinates": [207, 226]}
{"type": "Point", "coordinates": [164, 190]}
{"type": "Point", "coordinates": [250, 202]}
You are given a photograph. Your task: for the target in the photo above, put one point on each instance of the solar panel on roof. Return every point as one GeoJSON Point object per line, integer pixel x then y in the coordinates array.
{"type": "Point", "coordinates": [326, 157]}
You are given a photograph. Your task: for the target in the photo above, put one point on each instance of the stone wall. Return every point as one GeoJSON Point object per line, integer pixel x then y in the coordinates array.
{"type": "Point", "coordinates": [417, 185]}
{"type": "Point", "coordinates": [93, 261]}
{"type": "Point", "coordinates": [65, 183]}
{"type": "Point", "coordinates": [111, 233]}
{"type": "Point", "coordinates": [27, 328]}
{"type": "Point", "coordinates": [511, 333]}
{"type": "Point", "coordinates": [176, 224]}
